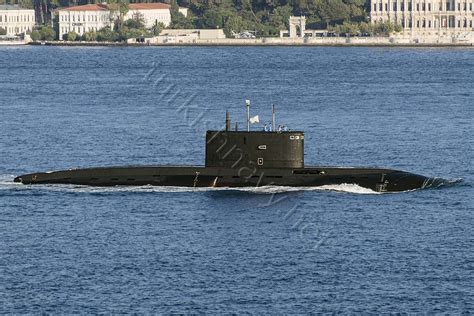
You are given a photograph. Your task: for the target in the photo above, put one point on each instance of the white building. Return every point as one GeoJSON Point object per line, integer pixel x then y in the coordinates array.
{"type": "Point", "coordinates": [83, 18]}
{"type": "Point", "coordinates": [152, 13]}
{"type": "Point", "coordinates": [93, 17]}
{"type": "Point", "coordinates": [16, 20]}
{"type": "Point", "coordinates": [426, 17]}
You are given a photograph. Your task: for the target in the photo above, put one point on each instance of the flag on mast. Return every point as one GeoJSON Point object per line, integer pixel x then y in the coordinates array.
{"type": "Point", "coordinates": [254, 119]}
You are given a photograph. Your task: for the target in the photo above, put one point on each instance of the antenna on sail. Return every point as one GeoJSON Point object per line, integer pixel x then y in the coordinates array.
{"type": "Point", "coordinates": [227, 121]}
{"type": "Point", "coordinates": [273, 118]}
{"type": "Point", "coordinates": [247, 103]}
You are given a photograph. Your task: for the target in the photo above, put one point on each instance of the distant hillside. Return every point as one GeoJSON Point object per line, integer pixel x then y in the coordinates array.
{"type": "Point", "coordinates": [266, 17]}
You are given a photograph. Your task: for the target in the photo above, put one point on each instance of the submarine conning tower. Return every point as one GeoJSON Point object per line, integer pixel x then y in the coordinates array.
{"type": "Point", "coordinates": [263, 149]}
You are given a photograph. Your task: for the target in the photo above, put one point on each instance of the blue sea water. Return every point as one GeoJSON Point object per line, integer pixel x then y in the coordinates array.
{"type": "Point", "coordinates": [67, 249]}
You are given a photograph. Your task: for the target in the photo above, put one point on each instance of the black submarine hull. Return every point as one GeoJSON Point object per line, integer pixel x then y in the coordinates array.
{"type": "Point", "coordinates": [379, 180]}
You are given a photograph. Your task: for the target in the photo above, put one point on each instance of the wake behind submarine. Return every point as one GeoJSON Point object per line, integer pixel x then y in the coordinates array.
{"type": "Point", "coordinates": [241, 159]}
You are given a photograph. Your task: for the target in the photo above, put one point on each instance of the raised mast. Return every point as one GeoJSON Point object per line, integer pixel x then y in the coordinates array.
{"type": "Point", "coordinates": [227, 121]}
{"type": "Point", "coordinates": [247, 103]}
{"type": "Point", "coordinates": [273, 118]}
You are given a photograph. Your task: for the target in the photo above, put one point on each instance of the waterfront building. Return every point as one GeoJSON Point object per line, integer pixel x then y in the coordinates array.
{"type": "Point", "coordinates": [16, 20]}
{"type": "Point", "coordinates": [152, 13]}
{"type": "Point", "coordinates": [426, 17]}
{"type": "Point", "coordinates": [93, 17]}
{"type": "Point", "coordinates": [83, 18]}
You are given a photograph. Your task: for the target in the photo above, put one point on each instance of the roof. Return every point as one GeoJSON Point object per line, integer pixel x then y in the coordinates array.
{"type": "Point", "coordinates": [105, 7]}
{"type": "Point", "coordinates": [11, 7]}
{"type": "Point", "coordinates": [148, 6]}
{"type": "Point", "coordinates": [87, 7]}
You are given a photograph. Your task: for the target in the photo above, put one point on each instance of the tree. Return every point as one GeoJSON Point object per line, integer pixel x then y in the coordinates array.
{"type": "Point", "coordinates": [46, 33]}
{"type": "Point", "coordinates": [386, 28]}
{"type": "Point", "coordinates": [365, 27]}
{"type": "Point", "coordinates": [3, 31]}
{"type": "Point", "coordinates": [71, 36]}
{"type": "Point", "coordinates": [212, 19]}
{"type": "Point", "coordinates": [118, 10]}
{"type": "Point", "coordinates": [157, 27]}
{"type": "Point", "coordinates": [107, 35]}
{"type": "Point", "coordinates": [35, 35]}
{"type": "Point", "coordinates": [233, 24]}
{"type": "Point", "coordinates": [90, 36]}
{"type": "Point", "coordinates": [43, 8]}
{"type": "Point", "coordinates": [127, 33]}
{"type": "Point", "coordinates": [179, 21]}
{"type": "Point", "coordinates": [332, 11]}
{"type": "Point", "coordinates": [136, 22]}
{"type": "Point", "coordinates": [281, 15]}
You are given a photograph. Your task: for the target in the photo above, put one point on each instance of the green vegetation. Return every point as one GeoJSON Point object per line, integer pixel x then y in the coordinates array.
{"type": "Point", "coordinates": [264, 17]}
{"type": "Point", "coordinates": [71, 36]}
{"type": "Point", "coordinates": [268, 17]}
{"type": "Point", "coordinates": [44, 33]}
{"type": "Point", "coordinates": [3, 31]}
{"type": "Point", "coordinates": [383, 29]}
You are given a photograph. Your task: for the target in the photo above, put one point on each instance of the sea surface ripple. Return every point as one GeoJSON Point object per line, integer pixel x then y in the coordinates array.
{"type": "Point", "coordinates": [75, 249]}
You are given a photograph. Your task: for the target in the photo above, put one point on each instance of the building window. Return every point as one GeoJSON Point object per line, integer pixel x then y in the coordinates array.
{"type": "Point", "coordinates": [380, 7]}
{"type": "Point", "coordinates": [395, 6]}
{"type": "Point", "coordinates": [386, 6]}
{"type": "Point", "coordinates": [375, 7]}
{"type": "Point", "coordinates": [403, 6]}
{"type": "Point", "coordinates": [429, 6]}
{"type": "Point", "coordinates": [429, 24]}
{"type": "Point", "coordinates": [423, 7]}
{"type": "Point", "coordinates": [1, 18]}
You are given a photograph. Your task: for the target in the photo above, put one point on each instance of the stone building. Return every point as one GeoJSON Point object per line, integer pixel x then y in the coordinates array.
{"type": "Point", "coordinates": [153, 12]}
{"type": "Point", "coordinates": [83, 18]}
{"type": "Point", "coordinates": [426, 17]}
{"type": "Point", "coordinates": [16, 20]}
{"type": "Point", "coordinates": [93, 17]}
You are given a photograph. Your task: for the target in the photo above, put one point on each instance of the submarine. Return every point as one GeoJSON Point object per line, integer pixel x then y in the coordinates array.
{"type": "Point", "coordinates": [246, 158]}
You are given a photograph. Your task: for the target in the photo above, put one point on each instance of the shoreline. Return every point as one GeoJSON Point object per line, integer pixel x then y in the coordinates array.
{"type": "Point", "coordinates": [249, 44]}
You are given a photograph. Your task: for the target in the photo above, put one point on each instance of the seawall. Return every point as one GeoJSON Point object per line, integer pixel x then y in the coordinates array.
{"type": "Point", "coordinates": [334, 41]}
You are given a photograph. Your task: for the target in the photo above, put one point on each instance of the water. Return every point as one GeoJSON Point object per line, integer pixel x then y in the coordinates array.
{"type": "Point", "coordinates": [71, 249]}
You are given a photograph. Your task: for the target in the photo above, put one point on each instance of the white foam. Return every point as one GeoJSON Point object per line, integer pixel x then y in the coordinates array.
{"type": "Point", "coordinates": [6, 182]}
